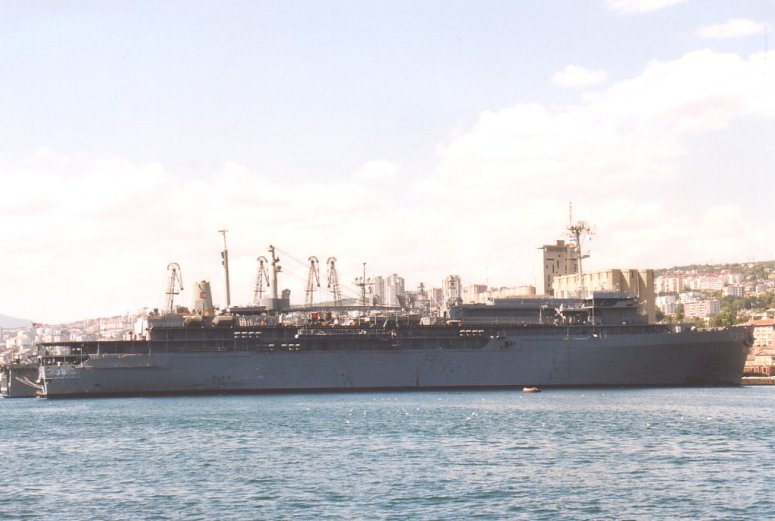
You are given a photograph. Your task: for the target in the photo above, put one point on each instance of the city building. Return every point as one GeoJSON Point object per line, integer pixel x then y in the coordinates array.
{"type": "Point", "coordinates": [638, 282]}
{"type": "Point", "coordinates": [554, 260]}
{"type": "Point", "coordinates": [733, 290]}
{"type": "Point", "coordinates": [702, 308]}
{"type": "Point", "coordinates": [669, 284]}
{"type": "Point", "coordinates": [667, 304]}
{"type": "Point", "coordinates": [394, 291]}
{"type": "Point", "coordinates": [378, 285]}
{"type": "Point", "coordinates": [452, 289]}
{"type": "Point", "coordinates": [763, 332]}
{"type": "Point", "coordinates": [474, 293]}
{"type": "Point", "coordinates": [510, 292]}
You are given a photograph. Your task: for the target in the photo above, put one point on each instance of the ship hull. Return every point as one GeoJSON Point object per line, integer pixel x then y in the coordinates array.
{"type": "Point", "coordinates": [12, 380]}
{"type": "Point", "coordinates": [706, 358]}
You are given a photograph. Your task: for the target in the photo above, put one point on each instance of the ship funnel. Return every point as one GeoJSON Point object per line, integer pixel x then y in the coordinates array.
{"type": "Point", "coordinates": [203, 299]}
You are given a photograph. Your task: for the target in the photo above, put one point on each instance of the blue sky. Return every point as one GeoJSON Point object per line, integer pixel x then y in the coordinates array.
{"type": "Point", "coordinates": [425, 138]}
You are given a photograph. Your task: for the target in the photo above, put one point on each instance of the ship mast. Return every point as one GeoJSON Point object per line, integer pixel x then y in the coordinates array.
{"type": "Point", "coordinates": [363, 283]}
{"type": "Point", "coordinates": [225, 262]}
{"type": "Point", "coordinates": [275, 269]}
{"type": "Point", "coordinates": [174, 286]}
{"type": "Point", "coordinates": [578, 231]}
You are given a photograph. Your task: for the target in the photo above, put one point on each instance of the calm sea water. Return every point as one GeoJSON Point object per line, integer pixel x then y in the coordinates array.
{"type": "Point", "coordinates": [561, 454]}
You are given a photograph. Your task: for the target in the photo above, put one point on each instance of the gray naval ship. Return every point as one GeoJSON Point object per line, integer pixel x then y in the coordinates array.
{"type": "Point", "coordinates": [601, 340]}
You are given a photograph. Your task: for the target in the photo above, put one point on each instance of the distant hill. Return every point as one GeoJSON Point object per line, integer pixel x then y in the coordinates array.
{"type": "Point", "coordinates": [6, 321]}
{"type": "Point", "coordinates": [762, 270]}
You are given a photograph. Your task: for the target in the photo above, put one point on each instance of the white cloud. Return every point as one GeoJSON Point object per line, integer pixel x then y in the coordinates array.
{"type": "Point", "coordinates": [734, 28]}
{"type": "Point", "coordinates": [377, 170]}
{"type": "Point", "coordinates": [577, 77]}
{"type": "Point", "coordinates": [517, 167]}
{"type": "Point", "coordinates": [93, 236]}
{"type": "Point", "coordinates": [640, 6]}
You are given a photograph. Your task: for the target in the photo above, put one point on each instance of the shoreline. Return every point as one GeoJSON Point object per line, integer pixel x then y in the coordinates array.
{"type": "Point", "coordinates": [757, 380]}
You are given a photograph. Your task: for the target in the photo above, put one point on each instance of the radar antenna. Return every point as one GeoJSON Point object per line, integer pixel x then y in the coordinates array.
{"type": "Point", "coordinates": [333, 281]}
{"type": "Point", "coordinates": [363, 283]}
{"type": "Point", "coordinates": [276, 268]}
{"type": "Point", "coordinates": [578, 232]}
{"type": "Point", "coordinates": [263, 275]}
{"type": "Point", "coordinates": [313, 279]}
{"type": "Point", "coordinates": [174, 286]}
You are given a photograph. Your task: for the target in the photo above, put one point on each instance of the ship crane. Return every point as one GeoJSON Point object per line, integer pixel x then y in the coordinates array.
{"type": "Point", "coordinates": [263, 275]}
{"type": "Point", "coordinates": [174, 286]}
{"type": "Point", "coordinates": [333, 281]}
{"type": "Point", "coordinates": [313, 279]}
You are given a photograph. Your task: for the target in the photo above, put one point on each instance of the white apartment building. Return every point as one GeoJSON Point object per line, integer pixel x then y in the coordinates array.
{"type": "Point", "coordinates": [378, 291]}
{"type": "Point", "coordinates": [702, 308]}
{"type": "Point", "coordinates": [510, 292]}
{"type": "Point", "coordinates": [735, 290]}
{"type": "Point", "coordinates": [667, 304]}
{"type": "Point", "coordinates": [705, 282]}
{"type": "Point", "coordinates": [763, 332]}
{"type": "Point", "coordinates": [733, 278]}
{"type": "Point", "coordinates": [394, 290]}
{"type": "Point", "coordinates": [474, 293]}
{"type": "Point", "coordinates": [669, 284]}
{"type": "Point", "coordinates": [689, 296]}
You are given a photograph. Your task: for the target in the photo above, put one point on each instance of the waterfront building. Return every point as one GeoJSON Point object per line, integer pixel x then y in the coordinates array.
{"type": "Point", "coordinates": [639, 282]}
{"type": "Point", "coordinates": [554, 260]}
{"type": "Point", "coordinates": [763, 332]}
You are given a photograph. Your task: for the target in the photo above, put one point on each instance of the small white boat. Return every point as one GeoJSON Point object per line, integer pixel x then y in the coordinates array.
{"type": "Point", "coordinates": [531, 390]}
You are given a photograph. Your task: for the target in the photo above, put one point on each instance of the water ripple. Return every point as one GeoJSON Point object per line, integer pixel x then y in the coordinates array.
{"type": "Point", "coordinates": [592, 454]}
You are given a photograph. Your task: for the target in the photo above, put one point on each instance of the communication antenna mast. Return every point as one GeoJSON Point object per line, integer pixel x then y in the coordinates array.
{"type": "Point", "coordinates": [262, 276]}
{"type": "Point", "coordinates": [363, 283]}
{"type": "Point", "coordinates": [276, 268]}
{"type": "Point", "coordinates": [333, 281]}
{"type": "Point", "coordinates": [174, 285]}
{"type": "Point", "coordinates": [578, 232]}
{"type": "Point", "coordinates": [225, 262]}
{"type": "Point", "coordinates": [313, 279]}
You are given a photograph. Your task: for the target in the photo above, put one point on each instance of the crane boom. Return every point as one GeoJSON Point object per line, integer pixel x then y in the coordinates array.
{"type": "Point", "coordinates": [262, 276]}
{"type": "Point", "coordinates": [313, 279]}
{"type": "Point", "coordinates": [333, 281]}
